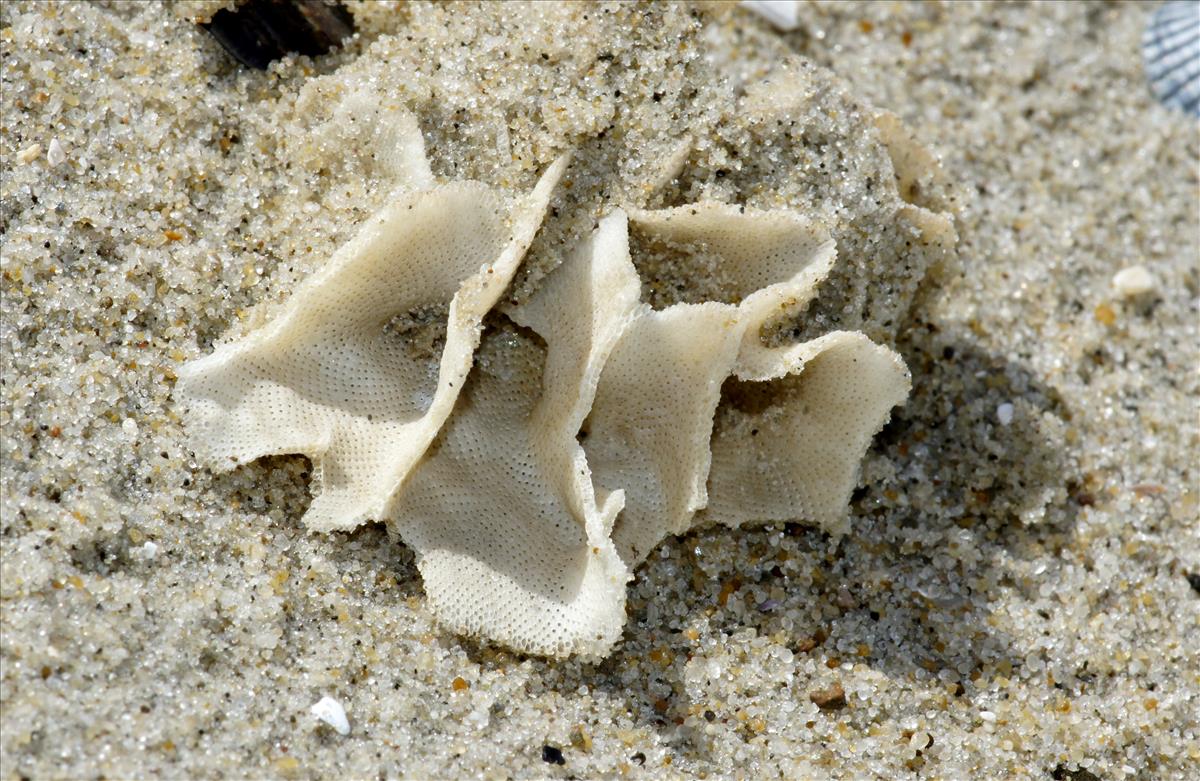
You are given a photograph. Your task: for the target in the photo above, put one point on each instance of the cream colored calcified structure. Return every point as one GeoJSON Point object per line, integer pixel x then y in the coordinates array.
{"type": "Point", "coordinates": [534, 464]}
{"type": "Point", "coordinates": [796, 454]}
{"type": "Point", "coordinates": [326, 379]}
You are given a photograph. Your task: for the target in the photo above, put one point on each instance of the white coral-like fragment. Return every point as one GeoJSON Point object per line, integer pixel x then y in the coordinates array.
{"type": "Point", "coordinates": [770, 261]}
{"type": "Point", "coordinates": [328, 378]}
{"type": "Point", "coordinates": [651, 430]}
{"type": "Point", "coordinates": [513, 524]}
{"type": "Point", "coordinates": [511, 540]}
{"type": "Point", "coordinates": [533, 467]}
{"type": "Point", "coordinates": [790, 448]}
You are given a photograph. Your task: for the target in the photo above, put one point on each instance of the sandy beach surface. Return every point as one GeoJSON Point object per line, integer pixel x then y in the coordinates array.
{"type": "Point", "coordinates": [1019, 593]}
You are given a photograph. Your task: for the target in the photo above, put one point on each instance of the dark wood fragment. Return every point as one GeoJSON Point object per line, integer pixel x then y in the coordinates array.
{"type": "Point", "coordinates": [261, 31]}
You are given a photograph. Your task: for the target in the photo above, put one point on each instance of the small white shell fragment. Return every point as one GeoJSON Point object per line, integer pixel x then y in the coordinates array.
{"type": "Point", "coordinates": [332, 713]}
{"type": "Point", "coordinates": [1132, 282]}
{"type": "Point", "coordinates": [29, 153]}
{"type": "Point", "coordinates": [149, 550]}
{"type": "Point", "coordinates": [784, 14]}
{"type": "Point", "coordinates": [55, 154]}
{"type": "Point", "coordinates": [1004, 413]}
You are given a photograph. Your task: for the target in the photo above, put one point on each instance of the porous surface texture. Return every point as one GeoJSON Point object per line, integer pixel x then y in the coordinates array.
{"type": "Point", "coordinates": [1016, 595]}
{"type": "Point", "coordinates": [343, 374]}
{"type": "Point", "coordinates": [502, 515]}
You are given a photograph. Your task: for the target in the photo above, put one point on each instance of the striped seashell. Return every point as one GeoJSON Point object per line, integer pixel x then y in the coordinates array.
{"type": "Point", "coordinates": [1171, 50]}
